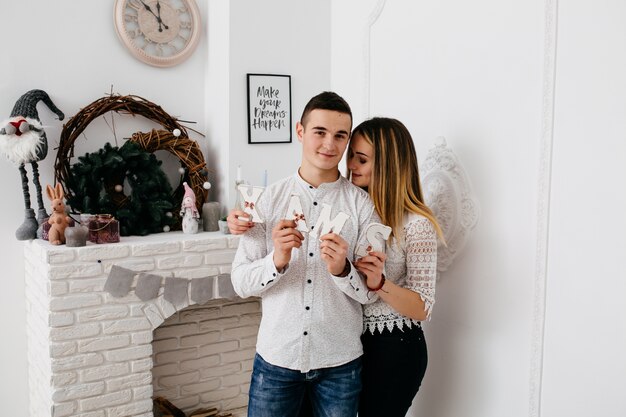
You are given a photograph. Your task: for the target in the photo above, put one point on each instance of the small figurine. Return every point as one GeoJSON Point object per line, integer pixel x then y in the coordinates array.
{"type": "Point", "coordinates": [23, 141]}
{"type": "Point", "coordinates": [189, 211]}
{"type": "Point", "coordinates": [58, 219]}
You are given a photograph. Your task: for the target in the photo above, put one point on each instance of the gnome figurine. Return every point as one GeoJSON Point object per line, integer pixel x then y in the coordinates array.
{"type": "Point", "coordinates": [189, 211]}
{"type": "Point", "coordinates": [23, 141]}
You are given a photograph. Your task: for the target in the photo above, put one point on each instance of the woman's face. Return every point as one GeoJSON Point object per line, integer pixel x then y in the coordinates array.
{"type": "Point", "coordinates": [360, 161]}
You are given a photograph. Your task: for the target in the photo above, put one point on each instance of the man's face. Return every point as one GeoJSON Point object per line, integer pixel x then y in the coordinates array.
{"type": "Point", "coordinates": [324, 139]}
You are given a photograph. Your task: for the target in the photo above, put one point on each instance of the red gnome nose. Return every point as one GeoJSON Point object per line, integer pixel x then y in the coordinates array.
{"type": "Point", "coordinates": [18, 131]}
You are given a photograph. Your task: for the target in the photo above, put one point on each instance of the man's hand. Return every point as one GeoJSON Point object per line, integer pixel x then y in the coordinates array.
{"type": "Point", "coordinates": [333, 250]}
{"type": "Point", "coordinates": [285, 237]}
{"type": "Point", "coordinates": [237, 226]}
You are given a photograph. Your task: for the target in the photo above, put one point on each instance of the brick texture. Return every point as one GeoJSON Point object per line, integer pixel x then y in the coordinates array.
{"type": "Point", "coordinates": [91, 354]}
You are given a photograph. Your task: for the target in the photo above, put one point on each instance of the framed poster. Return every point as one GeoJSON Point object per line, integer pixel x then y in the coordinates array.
{"type": "Point", "coordinates": [269, 108]}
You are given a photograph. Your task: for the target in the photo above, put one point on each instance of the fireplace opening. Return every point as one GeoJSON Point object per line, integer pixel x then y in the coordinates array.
{"type": "Point", "coordinates": [203, 354]}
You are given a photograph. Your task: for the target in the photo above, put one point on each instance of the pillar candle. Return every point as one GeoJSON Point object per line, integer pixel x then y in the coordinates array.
{"type": "Point", "coordinates": [210, 216]}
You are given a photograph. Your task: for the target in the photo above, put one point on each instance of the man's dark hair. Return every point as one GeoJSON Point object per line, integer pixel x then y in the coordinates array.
{"type": "Point", "coordinates": [326, 101]}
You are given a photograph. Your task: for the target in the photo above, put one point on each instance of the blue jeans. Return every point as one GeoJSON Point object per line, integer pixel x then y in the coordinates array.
{"type": "Point", "coordinates": [279, 392]}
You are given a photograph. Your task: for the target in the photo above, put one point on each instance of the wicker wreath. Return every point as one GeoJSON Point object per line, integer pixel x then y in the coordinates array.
{"type": "Point", "coordinates": [185, 149]}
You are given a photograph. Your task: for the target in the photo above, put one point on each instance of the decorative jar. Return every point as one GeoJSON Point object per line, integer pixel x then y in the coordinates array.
{"type": "Point", "coordinates": [104, 229]}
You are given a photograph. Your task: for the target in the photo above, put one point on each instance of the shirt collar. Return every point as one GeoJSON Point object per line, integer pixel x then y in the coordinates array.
{"type": "Point", "coordinates": [324, 186]}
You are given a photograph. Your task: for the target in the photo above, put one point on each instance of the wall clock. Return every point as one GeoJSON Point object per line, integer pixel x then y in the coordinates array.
{"type": "Point", "coordinates": [161, 33]}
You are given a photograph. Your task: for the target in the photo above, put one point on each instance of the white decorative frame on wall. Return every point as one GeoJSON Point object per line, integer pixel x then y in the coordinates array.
{"type": "Point", "coordinates": [448, 193]}
{"type": "Point", "coordinates": [543, 209]}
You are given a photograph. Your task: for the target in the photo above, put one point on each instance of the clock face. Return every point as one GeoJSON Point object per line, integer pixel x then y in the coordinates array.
{"type": "Point", "coordinates": [159, 32]}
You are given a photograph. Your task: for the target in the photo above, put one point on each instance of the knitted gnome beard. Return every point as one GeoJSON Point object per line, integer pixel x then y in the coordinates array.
{"type": "Point", "coordinates": [23, 140]}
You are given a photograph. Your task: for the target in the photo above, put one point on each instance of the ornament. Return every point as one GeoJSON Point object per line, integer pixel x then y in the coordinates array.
{"type": "Point", "coordinates": [166, 229]}
{"type": "Point", "coordinates": [119, 188]}
{"type": "Point", "coordinates": [104, 228]}
{"type": "Point", "coordinates": [150, 195]}
{"type": "Point", "coordinates": [181, 171]}
{"type": "Point", "coordinates": [176, 132]}
{"type": "Point", "coordinates": [206, 185]}
{"type": "Point", "coordinates": [23, 141]}
{"type": "Point", "coordinates": [188, 211]}
{"type": "Point", "coordinates": [58, 219]}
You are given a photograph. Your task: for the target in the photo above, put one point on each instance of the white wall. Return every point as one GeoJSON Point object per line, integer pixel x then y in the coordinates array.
{"type": "Point", "coordinates": [585, 344]}
{"type": "Point", "coordinates": [275, 37]}
{"type": "Point", "coordinates": [72, 52]}
{"type": "Point", "coordinates": [475, 74]}
{"type": "Point", "coordinates": [483, 75]}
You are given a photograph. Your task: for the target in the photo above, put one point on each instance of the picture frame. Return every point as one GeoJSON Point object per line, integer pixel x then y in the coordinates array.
{"type": "Point", "coordinates": [269, 108]}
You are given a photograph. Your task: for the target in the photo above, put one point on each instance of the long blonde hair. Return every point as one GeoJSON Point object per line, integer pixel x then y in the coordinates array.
{"type": "Point", "coordinates": [395, 184]}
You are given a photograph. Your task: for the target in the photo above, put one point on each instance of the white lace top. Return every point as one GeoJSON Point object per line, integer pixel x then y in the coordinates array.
{"type": "Point", "coordinates": [411, 263]}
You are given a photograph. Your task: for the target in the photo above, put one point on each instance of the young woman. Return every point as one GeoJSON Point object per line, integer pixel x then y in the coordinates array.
{"type": "Point", "coordinates": [382, 160]}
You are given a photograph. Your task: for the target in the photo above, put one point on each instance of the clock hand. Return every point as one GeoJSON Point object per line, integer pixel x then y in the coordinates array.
{"type": "Point", "coordinates": [159, 18]}
{"type": "Point", "coordinates": [155, 16]}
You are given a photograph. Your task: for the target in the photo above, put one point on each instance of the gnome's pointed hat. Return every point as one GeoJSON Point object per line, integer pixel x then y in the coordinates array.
{"type": "Point", "coordinates": [26, 106]}
{"type": "Point", "coordinates": [189, 193]}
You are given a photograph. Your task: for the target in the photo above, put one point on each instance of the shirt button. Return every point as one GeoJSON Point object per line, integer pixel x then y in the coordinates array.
{"type": "Point", "coordinates": [274, 274]}
{"type": "Point", "coordinates": [312, 227]}
{"type": "Point", "coordinates": [315, 203]}
{"type": "Point", "coordinates": [305, 333]}
{"type": "Point", "coordinates": [307, 308]}
{"type": "Point", "coordinates": [311, 187]}
{"type": "Point", "coordinates": [311, 254]}
{"type": "Point", "coordinates": [308, 280]}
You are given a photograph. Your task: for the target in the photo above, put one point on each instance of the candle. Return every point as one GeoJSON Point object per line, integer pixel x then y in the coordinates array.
{"type": "Point", "coordinates": [265, 178]}
{"type": "Point", "coordinates": [238, 173]}
{"type": "Point", "coordinates": [210, 216]}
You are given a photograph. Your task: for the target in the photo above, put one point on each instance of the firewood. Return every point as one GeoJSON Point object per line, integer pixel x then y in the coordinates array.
{"type": "Point", "coordinates": [164, 408]}
{"type": "Point", "coordinates": [204, 412]}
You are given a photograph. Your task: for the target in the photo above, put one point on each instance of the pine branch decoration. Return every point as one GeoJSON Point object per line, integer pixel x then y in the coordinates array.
{"type": "Point", "coordinates": [185, 149]}
{"type": "Point", "coordinates": [103, 164]}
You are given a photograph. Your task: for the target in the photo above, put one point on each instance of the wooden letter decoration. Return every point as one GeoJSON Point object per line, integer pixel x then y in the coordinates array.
{"type": "Point", "coordinates": [376, 234]}
{"type": "Point", "coordinates": [295, 212]}
{"type": "Point", "coordinates": [326, 225]}
{"type": "Point", "coordinates": [250, 196]}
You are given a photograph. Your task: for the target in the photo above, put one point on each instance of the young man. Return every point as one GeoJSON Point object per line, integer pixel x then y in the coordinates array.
{"type": "Point", "coordinates": [309, 337]}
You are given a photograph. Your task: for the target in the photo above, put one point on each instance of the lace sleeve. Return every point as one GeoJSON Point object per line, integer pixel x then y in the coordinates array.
{"type": "Point", "coordinates": [421, 260]}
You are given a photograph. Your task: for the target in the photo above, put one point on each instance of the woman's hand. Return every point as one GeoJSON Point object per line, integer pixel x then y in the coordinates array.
{"type": "Point", "coordinates": [372, 266]}
{"type": "Point", "coordinates": [236, 226]}
{"type": "Point", "coordinates": [333, 250]}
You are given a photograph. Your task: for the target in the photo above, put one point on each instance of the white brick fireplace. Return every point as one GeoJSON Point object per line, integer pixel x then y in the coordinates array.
{"type": "Point", "coordinates": [91, 354]}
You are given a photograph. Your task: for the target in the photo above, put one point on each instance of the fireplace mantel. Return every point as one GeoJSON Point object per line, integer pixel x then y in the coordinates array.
{"type": "Point", "coordinates": [89, 353]}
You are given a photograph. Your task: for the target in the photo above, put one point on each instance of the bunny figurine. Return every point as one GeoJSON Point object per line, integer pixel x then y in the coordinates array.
{"type": "Point", "coordinates": [58, 219]}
